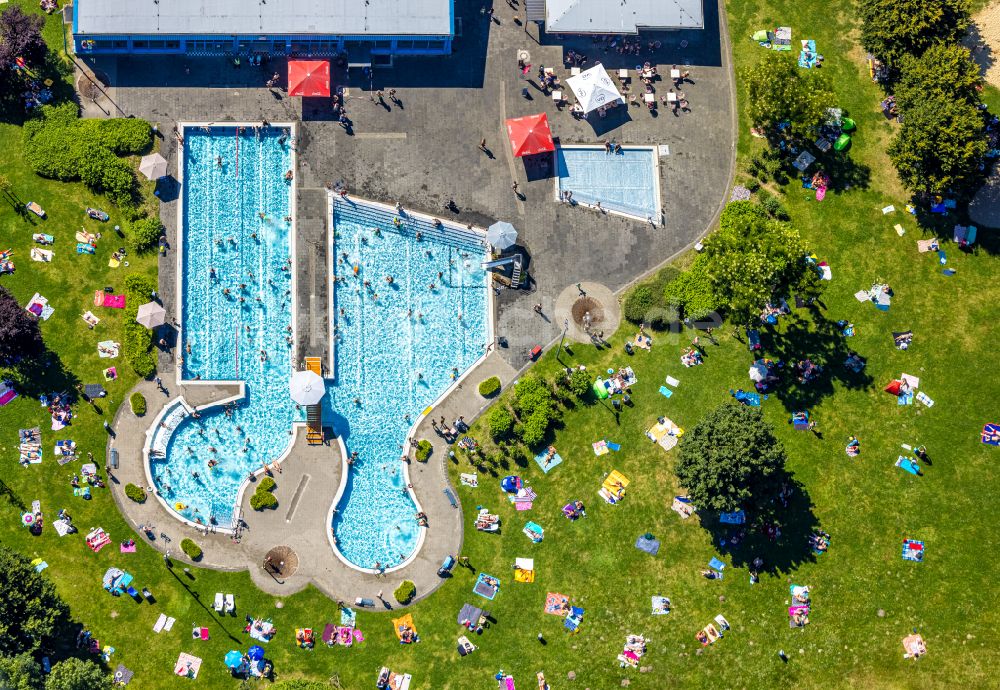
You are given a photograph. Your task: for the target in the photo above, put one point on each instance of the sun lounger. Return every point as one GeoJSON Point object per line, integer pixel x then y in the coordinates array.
{"type": "Point", "coordinates": [39, 254]}
{"type": "Point", "coordinates": [230, 607]}
{"type": "Point", "coordinates": [160, 622]}
{"type": "Point", "coordinates": [218, 605]}
{"type": "Point", "coordinates": [35, 208]}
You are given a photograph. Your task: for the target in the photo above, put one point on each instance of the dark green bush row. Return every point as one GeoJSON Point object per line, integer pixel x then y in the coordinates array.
{"type": "Point", "coordinates": [536, 409]}
{"type": "Point", "coordinates": [263, 499]}
{"type": "Point", "coordinates": [137, 340]}
{"type": "Point", "coordinates": [489, 387]}
{"type": "Point", "coordinates": [136, 493]}
{"type": "Point", "coordinates": [138, 404]}
{"type": "Point", "coordinates": [501, 421]}
{"type": "Point", "coordinates": [266, 484]}
{"type": "Point", "coordinates": [144, 234]}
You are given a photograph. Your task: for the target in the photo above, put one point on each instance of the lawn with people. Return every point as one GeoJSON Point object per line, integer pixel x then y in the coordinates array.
{"type": "Point", "coordinates": [841, 533]}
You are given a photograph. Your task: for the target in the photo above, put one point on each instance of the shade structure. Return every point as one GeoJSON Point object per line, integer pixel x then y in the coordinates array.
{"type": "Point", "coordinates": [501, 235]}
{"type": "Point", "coordinates": [153, 166]}
{"type": "Point", "coordinates": [309, 78]}
{"type": "Point", "coordinates": [307, 387]}
{"type": "Point", "coordinates": [530, 135]}
{"type": "Point", "coordinates": [151, 315]}
{"type": "Point", "coordinates": [255, 653]}
{"type": "Point", "coordinates": [594, 88]}
{"type": "Point", "coordinates": [233, 659]}
{"type": "Point", "coordinates": [758, 372]}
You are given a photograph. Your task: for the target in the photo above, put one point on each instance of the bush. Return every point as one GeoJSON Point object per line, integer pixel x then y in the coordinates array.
{"type": "Point", "coordinates": [692, 291]}
{"type": "Point", "coordinates": [533, 429]}
{"type": "Point", "coordinates": [192, 550]}
{"type": "Point", "coordinates": [144, 234]}
{"type": "Point", "coordinates": [405, 592]}
{"type": "Point", "coordinates": [263, 499]}
{"type": "Point", "coordinates": [424, 450]}
{"type": "Point", "coordinates": [638, 303]}
{"type": "Point", "coordinates": [137, 341]}
{"type": "Point", "coordinates": [126, 136]}
{"type": "Point", "coordinates": [772, 205]}
{"type": "Point", "coordinates": [266, 484]}
{"type": "Point", "coordinates": [138, 404]}
{"type": "Point", "coordinates": [500, 421]}
{"type": "Point", "coordinates": [136, 493]}
{"type": "Point", "coordinates": [489, 387]}
{"type": "Point", "coordinates": [579, 383]}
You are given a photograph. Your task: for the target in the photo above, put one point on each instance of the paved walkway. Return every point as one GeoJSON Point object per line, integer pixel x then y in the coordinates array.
{"type": "Point", "coordinates": [423, 152]}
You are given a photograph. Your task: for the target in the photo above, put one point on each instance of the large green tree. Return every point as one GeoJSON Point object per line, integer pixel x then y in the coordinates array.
{"type": "Point", "coordinates": [732, 461]}
{"type": "Point", "coordinates": [942, 72]}
{"type": "Point", "coordinates": [31, 612]}
{"type": "Point", "coordinates": [77, 674]}
{"type": "Point", "coordinates": [778, 92]}
{"type": "Point", "coordinates": [893, 29]}
{"type": "Point", "coordinates": [20, 672]}
{"type": "Point", "coordinates": [20, 337]}
{"type": "Point", "coordinates": [941, 148]}
{"type": "Point", "coordinates": [753, 259]}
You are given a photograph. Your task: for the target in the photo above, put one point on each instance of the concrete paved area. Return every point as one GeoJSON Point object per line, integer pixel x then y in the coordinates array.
{"type": "Point", "coordinates": [423, 152]}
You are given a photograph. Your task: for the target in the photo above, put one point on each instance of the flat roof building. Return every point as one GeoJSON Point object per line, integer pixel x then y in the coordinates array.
{"type": "Point", "coordinates": [619, 16]}
{"type": "Point", "coordinates": [276, 27]}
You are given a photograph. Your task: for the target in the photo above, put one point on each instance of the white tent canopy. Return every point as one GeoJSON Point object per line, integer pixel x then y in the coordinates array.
{"type": "Point", "coordinates": [153, 166]}
{"type": "Point", "coordinates": [307, 387]}
{"type": "Point", "coordinates": [594, 88]}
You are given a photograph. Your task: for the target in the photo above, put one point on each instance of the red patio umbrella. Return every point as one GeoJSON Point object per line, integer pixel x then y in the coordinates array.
{"type": "Point", "coordinates": [309, 78]}
{"type": "Point", "coordinates": [530, 135]}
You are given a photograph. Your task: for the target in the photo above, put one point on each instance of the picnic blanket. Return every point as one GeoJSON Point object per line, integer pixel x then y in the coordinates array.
{"type": "Point", "coordinates": [103, 299]}
{"type": "Point", "coordinates": [545, 462]}
{"type": "Point", "coordinates": [664, 433]}
{"type": "Point", "coordinates": [913, 550]}
{"type": "Point", "coordinates": [487, 586]}
{"type": "Point", "coordinates": [7, 393]}
{"type": "Point", "coordinates": [469, 615]}
{"type": "Point", "coordinates": [661, 606]}
{"type": "Point", "coordinates": [348, 617]}
{"type": "Point", "coordinates": [39, 306]}
{"type": "Point", "coordinates": [781, 39]}
{"type": "Point", "coordinates": [556, 604]}
{"type": "Point", "coordinates": [39, 254]}
{"type": "Point", "coordinates": [187, 666]}
{"type": "Point", "coordinates": [990, 435]}
{"type": "Point", "coordinates": [123, 676]}
{"type": "Point", "coordinates": [534, 531]}
{"type": "Point", "coordinates": [650, 546]}
{"type": "Point", "coordinates": [108, 349]}
{"type": "Point", "coordinates": [924, 246]}
{"type": "Point", "coordinates": [403, 623]}
{"type": "Point", "coordinates": [471, 480]}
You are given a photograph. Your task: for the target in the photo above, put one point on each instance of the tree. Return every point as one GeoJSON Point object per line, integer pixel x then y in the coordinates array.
{"type": "Point", "coordinates": [20, 672]}
{"type": "Point", "coordinates": [731, 461]}
{"type": "Point", "coordinates": [500, 421]}
{"type": "Point", "coordinates": [20, 336]}
{"type": "Point", "coordinates": [31, 613]}
{"type": "Point", "coordinates": [893, 29]}
{"type": "Point", "coordinates": [21, 37]}
{"type": "Point", "coordinates": [692, 291]}
{"type": "Point", "coordinates": [942, 72]}
{"type": "Point", "coordinates": [779, 92]}
{"type": "Point", "coordinates": [753, 259]}
{"type": "Point", "coordinates": [77, 674]}
{"type": "Point", "coordinates": [941, 148]}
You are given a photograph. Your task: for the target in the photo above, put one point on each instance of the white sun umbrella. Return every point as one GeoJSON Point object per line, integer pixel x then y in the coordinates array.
{"type": "Point", "coordinates": [594, 88]}
{"type": "Point", "coordinates": [153, 166]}
{"type": "Point", "coordinates": [501, 235]}
{"type": "Point", "coordinates": [151, 315]}
{"type": "Point", "coordinates": [758, 372]}
{"type": "Point", "coordinates": [307, 387]}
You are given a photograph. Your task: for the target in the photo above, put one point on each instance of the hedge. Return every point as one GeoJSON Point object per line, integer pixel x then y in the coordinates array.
{"type": "Point", "coordinates": [489, 387]}
{"type": "Point", "coordinates": [136, 493]}
{"type": "Point", "coordinates": [137, 341]}
{"type": "Point", "coordinates": [501, 422]}
{"type": "Point", "coordinates": [638, 303]}
{"type": "Point", "coordinates": [192, 550]}
{"type": "Point", "coordinates": [405, 592]}
{"type": "Point", "coordinates": [424, 450]}
{"type": "Point", "coordinates": [263, 499]}
{"type": "Point", "coordinates": [144, 234]}
{"type": "Point", "coordinates": [138, 404]}
{"type": "Point", "coordinates": [266, 484]}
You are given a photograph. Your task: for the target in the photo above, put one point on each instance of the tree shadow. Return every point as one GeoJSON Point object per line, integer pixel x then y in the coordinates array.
{"type": "Point", "coordinates": [44, 375]}
{"type": "Point", "coordinates": [783, 551]}
{"type": "Point", "coordinates": [820, 341]}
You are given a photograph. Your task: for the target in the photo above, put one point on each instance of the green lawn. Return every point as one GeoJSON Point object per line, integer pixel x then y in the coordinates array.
{"type": "Point", "coordinates": [866, 504]}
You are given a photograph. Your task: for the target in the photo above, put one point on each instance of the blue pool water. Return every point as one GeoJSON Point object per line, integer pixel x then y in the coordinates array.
{"type": "Point", "coordinates": [398, 347]}
{"type": "Point", "coordinates": [627, 182]}
{"type": "Point", "coordinates": [223, 337]}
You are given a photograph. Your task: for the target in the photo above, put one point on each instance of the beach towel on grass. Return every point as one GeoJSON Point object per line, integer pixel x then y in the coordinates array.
{"type": "Point", "coordinates": [650, 546]}
{"type": "Point", "coordinates": [661, 606]}
{"type": "Point", "coordinates": [556, 604]}
{"type": "Point", "coordinates": [348, 617]}
{"type": "Point", "coordinates": [471, 480]}
{"type": "Point", "coordinates": [908, 464]}
{"type": "Point", "coordinates": [924, 246]}
{"type": "Point", "coordinates": [103, 299]}
{"type": "Point", "coordinates": [913, 550]}
{"type": "Point", "coordinates": [671, 381]}
{"type": "Point", "coordinates": [665, 392]}
{"type": "Point", "coordinates": [600, 448]}
{"type": "Point", "coordinates": [39, 306]}
{"type": "Point", "coordinates": [107, 349]}
{"type": "Point", "coordinates": [540, 460]}
{"type": "Point", "coordinates": [990, 435]}
{"type": "Point", "coordinates": [924, 400]}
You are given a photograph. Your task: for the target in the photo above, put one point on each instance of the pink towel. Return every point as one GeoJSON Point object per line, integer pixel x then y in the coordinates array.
{"type": "Point", "coordinates": [358, 636]}
{"type": "Point", "coordinates": [127, 549]}
{"type": "Point", "coordinates": [114, 301]}
{"type": "Point", "coordinates": [522, 505]}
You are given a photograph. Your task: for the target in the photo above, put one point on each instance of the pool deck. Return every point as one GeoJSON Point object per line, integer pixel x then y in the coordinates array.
{"type": "Point", "coordinates": [422, 154]}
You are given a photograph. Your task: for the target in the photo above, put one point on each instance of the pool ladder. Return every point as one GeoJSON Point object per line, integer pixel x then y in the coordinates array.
{"type": "Point", "coordinates": [314, 413]}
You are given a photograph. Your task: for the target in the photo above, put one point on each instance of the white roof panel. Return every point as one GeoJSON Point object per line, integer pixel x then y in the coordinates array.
{"type": "Point", "coordinates": [265, 17]}
{"type": "Point", "coordinates": [622, 16]}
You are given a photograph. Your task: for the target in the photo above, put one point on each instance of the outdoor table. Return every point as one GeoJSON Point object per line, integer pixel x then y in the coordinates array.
{"type": "Point", "coordinates": [574, 71]}
{"type": "Point", "coordinates": [649, 98]}
{"type": "Point", "coordinates": [623, 73]}
{"type": "Point", "coordinates": [557, 96]}
{"type": "Point", "coordinates": [549, 70]}
{"type": "Point", "coordinates": [671, 96]}
{"type": "Point", "coordinates": [675, 74]}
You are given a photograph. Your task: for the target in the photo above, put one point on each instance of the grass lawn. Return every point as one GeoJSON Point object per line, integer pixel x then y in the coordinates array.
{"type": "Point", "coordinates": [866, 504]}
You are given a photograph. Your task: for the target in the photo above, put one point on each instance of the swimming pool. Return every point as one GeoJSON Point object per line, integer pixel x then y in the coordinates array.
{"type": "Point", "coordinates": [398, 347]}
{"type": "Point", "coordinates": [236, 312]}
{"type": "Point", "coordinates": [627, 183]}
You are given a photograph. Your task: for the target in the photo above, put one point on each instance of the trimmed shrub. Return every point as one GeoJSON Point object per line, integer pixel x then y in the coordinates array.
{"type": "Point", "coordinates": [144, 235]}
{"type": "Point", "coordinates": [136, 493]}
{"type": "Point", "coordinates": [137, 340]}
{"type": "Point", "coordinates": [266, 484]}
{"type": "Point", "coordinates": [192, 550]}
{"type": "Point", "coordinates": [579, 383]}
{"type": "Point", "coordinates": [489, 387]}
{"type": "Point", "coordinates": [638, 303]}
{"type": "Point", "coordinates": [263, 499]}
{"type": "Point", "coordinates": [405, 592]}
{"type": "Point", "coordinates": [125, 136]}
{"type": "Point", "coordinates": [424, 450]}
{"type": "Point", "coordinates": [500, 421]}
{"type": "Point", "coordinates": [138, 404]}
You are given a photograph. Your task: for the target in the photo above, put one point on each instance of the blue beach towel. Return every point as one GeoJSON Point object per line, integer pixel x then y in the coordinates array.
{"type": "Point", "coordinates": [716, 564]}
{"type": "Point", "coordinates": [613, 446]}
{"type": "Point", "coordinates": [650, 546]}
{"type": "Point", "coordinates": [913, 550]}
{"type": "Point", "coordinates": [908, 464]}
{"type": "Point", "coordinates": [540, 460]}
{"type": "Point", "coordinates": [665, 392]}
